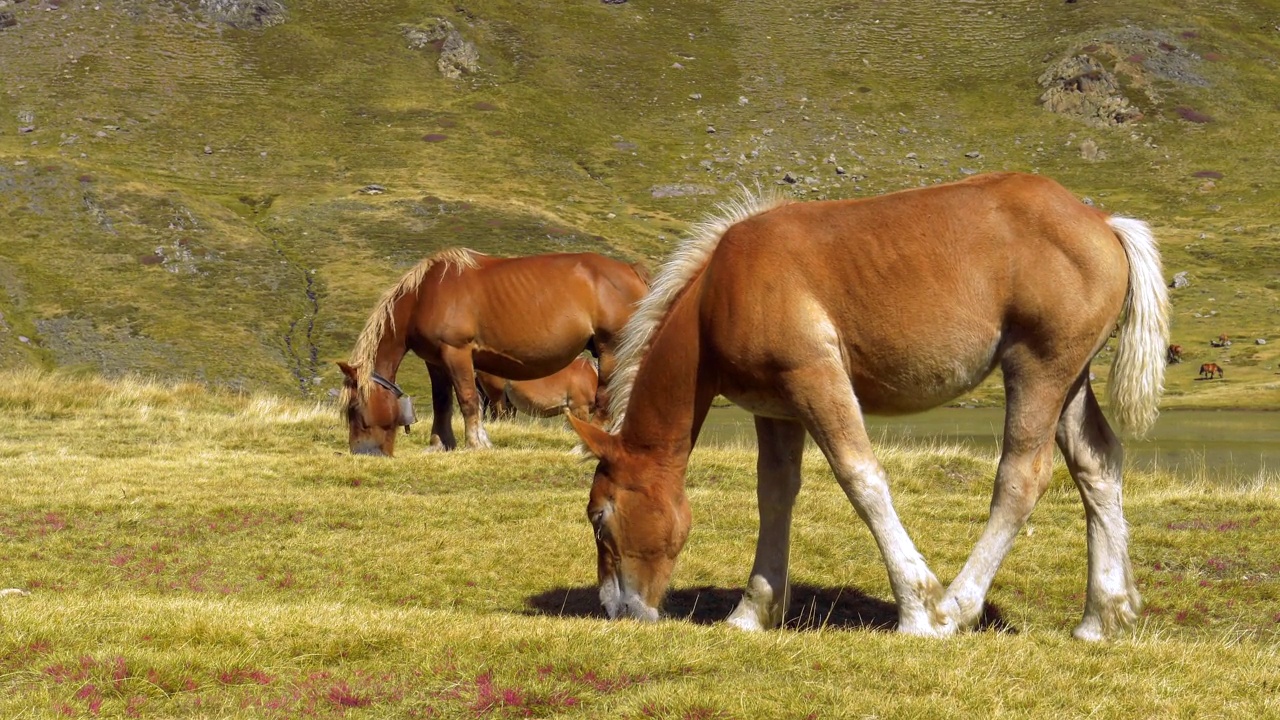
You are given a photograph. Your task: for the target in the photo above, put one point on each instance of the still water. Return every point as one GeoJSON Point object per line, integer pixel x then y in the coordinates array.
{"type": "Point", "coordinates": [1225, 444]}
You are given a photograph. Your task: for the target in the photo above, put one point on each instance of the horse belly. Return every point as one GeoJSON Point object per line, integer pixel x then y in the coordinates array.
{"type": "Point", "coordinates": [922, 386]}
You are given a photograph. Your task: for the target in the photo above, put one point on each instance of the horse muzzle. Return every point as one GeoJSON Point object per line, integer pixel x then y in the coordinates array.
{"type": "Point", "coordinates": [371, 449]}
{"type": "Point", "coordinates": [620, 604]}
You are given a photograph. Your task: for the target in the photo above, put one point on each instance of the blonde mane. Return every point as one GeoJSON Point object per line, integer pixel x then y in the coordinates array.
{"type": "Point", "coordinates": [686, 260]}
{"type": "Point", "coordinates": [383, 316]}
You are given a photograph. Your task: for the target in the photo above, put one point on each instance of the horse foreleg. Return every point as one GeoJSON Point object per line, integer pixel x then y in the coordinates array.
{"type": "Point", "coordinates": [1095, 458]}
{"type": "Point", "coordinates": [765, 602]}
{"type": "Point", "coordinates": [458, 361]}
{"type": "Point", "coordinates": [831, 413]}
{"type": "Point", "coordinates": [441, 409]}
{"type": "Point", "coordinates": [607, 364]}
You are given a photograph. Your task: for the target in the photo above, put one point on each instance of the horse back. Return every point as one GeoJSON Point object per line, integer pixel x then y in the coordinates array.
{"type": "Point", "coordinates": [525, 316]}
{"type": "Point", "coordinates": [919, 291]}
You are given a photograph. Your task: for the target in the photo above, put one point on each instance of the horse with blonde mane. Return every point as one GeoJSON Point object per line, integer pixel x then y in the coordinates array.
{"type": "Point", "coordinates": [461, 311]}
{"type": "Point", "coordinates": [571, 389]}
{"type": "Point", "coordinates": [810, 315]}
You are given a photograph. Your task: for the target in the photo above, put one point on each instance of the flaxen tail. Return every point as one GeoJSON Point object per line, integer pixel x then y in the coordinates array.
{"type": "Point", "coordinates": [1137, 374]}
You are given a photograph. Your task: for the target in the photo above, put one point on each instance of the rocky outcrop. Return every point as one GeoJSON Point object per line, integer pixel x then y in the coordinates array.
{"type": "Point", "coordinates": [458, 56]}
{"type": "Point", "coordinates": [1081, 87]}
{"type": "Point", "coordinates": [245, 14]}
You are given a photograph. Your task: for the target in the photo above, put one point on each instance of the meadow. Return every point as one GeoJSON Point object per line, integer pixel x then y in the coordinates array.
{"type": "Point", "coordinates": [190, 552]}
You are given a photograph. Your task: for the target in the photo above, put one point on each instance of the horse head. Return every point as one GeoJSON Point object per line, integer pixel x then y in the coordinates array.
{"type": "Point", "coordinates": [640, 526]}
{"type": "Point", "coordinates": [375, 412]}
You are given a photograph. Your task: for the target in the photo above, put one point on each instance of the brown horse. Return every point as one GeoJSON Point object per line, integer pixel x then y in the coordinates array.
{"type": "Point", "coordinates": [572, 388]}
{"type": "Point", "coordinates": [1208, 370]}
{"type": "Point", "coordinates": [1174, 354]}
{"type": "Point", "coordinates": [461, 311]}
{"type": "Point", "coordinates": [811, 314]}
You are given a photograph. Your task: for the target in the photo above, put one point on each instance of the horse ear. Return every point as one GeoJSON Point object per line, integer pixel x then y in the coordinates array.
{"type": "Point", "coordinates": [597, 441]}
{"type": "Point", "coordinates": [349, 371]}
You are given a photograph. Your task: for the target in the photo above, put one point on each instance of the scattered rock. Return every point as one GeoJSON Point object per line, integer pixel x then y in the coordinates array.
{"type": "Point", "coordinates": [1180, 280]}
{"type": "Point", "coordinates": [840, 170]}
{"type": "Point", "coordinates": [1260, 341]}
{"type": "Point", "coordinates": [245, 14]}
{"type": "Point", "coordinates": [24, 339]}
{"type": "Point", "coordinates": [372, 189]}
{"type": "Point", "coordinates": [790, 179]}
{"type": "Point", "coordinates": [973, 154]}
{"type": "Point", "coordinates": [680, 190]}
{"type": "Point", "coordinates": [1081, 87]}
{"type": "Point", "coordinates": [26, 129]}
{"type": "Point", "coordinates": [1089, 151]}
{"type": "Point", "coordinates": [208, 150]}
{"type": "Point", "coordinates": [7, 20]}
{"type": "Point", "coordinates": [421, 36]}
{"type": "Point", "coordinates": [711, 129]}
{"type": "Point", "coordinates": [695, 96]}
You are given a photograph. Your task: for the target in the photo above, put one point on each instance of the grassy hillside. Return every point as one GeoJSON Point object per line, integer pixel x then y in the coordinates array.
{"type": "Point", "coordinates": [182, 197]}
{"type": "Point", "coordinates": [241, 564]}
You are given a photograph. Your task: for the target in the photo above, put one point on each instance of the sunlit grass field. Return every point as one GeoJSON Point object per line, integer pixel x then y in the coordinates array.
{"type": "Point", "coordinates": [196, 553]}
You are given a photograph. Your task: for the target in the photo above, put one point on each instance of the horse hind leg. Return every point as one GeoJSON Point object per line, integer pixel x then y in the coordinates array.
{"type": "Point", "coordinates": [767, 596]}
{"type": "Point", "coordinates": [1034, 394]}
{"type": "Point", "coordinates": [1095, 458]}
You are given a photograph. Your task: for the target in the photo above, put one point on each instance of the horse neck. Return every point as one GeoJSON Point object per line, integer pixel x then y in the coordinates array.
{"type": "Point", "coordinates": [394, 343]}
{"type": "Point", "coordinates": [671, 394]}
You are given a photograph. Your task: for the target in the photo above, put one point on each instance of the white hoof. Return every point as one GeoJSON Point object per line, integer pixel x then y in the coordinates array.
{"type": "Point", "coordinates": [745, 622]}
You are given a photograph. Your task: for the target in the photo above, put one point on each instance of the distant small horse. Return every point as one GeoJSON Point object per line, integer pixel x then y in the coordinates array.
{"type": "Point", "coordinates": [572, 388]}
{"type": "Point", "coordinates": [1222, 342]}
{"type": "Point", "coordinates": [1208, 370]}
{"type": "Point", "coordinates": [461, 311]}
{"type": "Point", "coordinates": [1174, 356]}
{"type": "Point", "coordinates": [810, 315]}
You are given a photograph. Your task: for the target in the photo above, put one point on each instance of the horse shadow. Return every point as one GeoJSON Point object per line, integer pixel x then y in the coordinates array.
{"type": "Point", "coordinates": [812, 608]}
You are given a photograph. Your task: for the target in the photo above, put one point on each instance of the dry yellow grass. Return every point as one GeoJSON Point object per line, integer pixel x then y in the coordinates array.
{"type": "Point", "coordinates": [194, 553]}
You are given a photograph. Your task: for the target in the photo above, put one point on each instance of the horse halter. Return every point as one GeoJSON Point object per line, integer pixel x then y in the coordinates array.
{"type": "Point", "coordinates": [403, 401]}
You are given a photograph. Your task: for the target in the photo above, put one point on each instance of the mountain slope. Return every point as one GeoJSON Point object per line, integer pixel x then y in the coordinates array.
{"type": "Point", "coordinates": [182, 197]}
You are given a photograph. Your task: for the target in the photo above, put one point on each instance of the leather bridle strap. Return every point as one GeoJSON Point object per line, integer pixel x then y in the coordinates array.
{"type": "Point", "coordinates": [387, 384]}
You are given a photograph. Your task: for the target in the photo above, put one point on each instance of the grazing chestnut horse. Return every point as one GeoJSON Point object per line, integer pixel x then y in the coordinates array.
{"type": "Point", "coordinates": [1174, 355]}
{"type": "Point", "coordinates": [572, 388]}
{"type": "Point", "coordinates": [1208, 370]}
{"type": "Point", "coordinates": [810, 315]}
{"type": "Point", "coordinates": [461, 311]}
